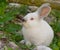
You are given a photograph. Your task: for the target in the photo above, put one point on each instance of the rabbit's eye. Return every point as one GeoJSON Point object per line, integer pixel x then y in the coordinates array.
{"type": "Point", "coordinates": [32, 19]}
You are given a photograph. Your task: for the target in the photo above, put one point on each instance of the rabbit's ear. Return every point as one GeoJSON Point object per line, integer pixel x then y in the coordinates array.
{"type": "Point", "coordinates": [44, 10]}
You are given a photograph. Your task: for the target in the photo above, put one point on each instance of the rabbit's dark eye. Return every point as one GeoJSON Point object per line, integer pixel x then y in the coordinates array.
{"type": "Point", "coordinates": [32, 19]}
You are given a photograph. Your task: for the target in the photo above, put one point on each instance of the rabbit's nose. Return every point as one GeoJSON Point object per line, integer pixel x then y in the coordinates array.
{"type": "Point", "coordinates": [20, 18]}
{"type": "Point", "coordinates": [23, 20]}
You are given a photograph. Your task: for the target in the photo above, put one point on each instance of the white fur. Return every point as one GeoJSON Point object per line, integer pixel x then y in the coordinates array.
{"type": "Point", "coordinates": [37, 31]}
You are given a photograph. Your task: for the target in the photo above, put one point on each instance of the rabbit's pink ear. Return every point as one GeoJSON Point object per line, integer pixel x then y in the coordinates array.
{"type": "Point", "coordinates": [44, 10]}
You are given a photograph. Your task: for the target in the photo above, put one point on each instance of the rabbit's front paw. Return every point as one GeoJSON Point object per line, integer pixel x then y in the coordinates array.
{"type": "Point", "coordinates": [22, 41]}
{"type": "Point", "coordinates": [25, 42]}
{"type": "Point", "coordinates": [28, 43]}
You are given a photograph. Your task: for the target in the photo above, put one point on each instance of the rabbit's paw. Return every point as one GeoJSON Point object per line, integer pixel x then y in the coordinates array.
{"type": "Point", "coordinates": [22, 41]}
{"type": "Point", "coordinates": [28, 43]}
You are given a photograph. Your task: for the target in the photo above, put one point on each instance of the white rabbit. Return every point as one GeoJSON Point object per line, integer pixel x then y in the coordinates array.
{"type": "Point", "coordinates": [35, 29]}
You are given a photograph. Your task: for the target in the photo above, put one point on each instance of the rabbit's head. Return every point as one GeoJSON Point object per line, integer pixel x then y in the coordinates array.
{"type": "Point", "coordinates": [33, 19]}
